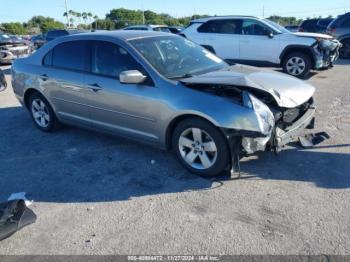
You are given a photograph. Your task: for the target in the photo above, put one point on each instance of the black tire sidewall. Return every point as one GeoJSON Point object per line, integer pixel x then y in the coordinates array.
{"type": "Point", "coordinates": [221, 142]}
{"type": "Point", "coordinates": [53, 121]}
{"type": "Point", "coordinates": [347, 40]}
{"type": "Point", "coordinates": [307, 61]}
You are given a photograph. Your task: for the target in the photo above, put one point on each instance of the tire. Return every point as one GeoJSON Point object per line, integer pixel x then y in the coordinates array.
{"type": "Point", "coordinates": [209, 156]}
{"type": "Point", "coordinates": [344, 52]}
{"type": "Point", "coordinates": [297, 64]}
{"type": "Point", "coordinates": [42, 114]}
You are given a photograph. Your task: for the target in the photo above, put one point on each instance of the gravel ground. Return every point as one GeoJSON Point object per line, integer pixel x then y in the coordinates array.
{"type": "Point", "coordinates": [95, 194]}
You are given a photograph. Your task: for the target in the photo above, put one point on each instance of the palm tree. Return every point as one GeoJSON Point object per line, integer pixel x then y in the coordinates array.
{"type": "Point", "coordinates": [96, 18]}
{"type": "Point", "coordinates": [85, 16]}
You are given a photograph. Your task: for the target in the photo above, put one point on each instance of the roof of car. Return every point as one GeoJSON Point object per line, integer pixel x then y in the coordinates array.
{"type": "Point", "coordinates": [121, 34]}
{"type": "Point", "coordinates": [152, 26]}
{"type": "Point", "coordinates": [203, 20]}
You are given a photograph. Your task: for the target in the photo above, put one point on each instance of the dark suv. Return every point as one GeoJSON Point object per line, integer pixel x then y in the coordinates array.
{"type": "Point", "coordinates": [340, 28]}
{"type": "Point", "coordinates": [315, 25]}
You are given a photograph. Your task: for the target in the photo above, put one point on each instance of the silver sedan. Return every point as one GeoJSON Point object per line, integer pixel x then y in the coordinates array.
{"type": "Point", "coordinates": [164, 90]}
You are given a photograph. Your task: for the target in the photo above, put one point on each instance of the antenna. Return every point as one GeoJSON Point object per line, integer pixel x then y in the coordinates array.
{"type": "Point", "coordinates": [263, 11]}
{"type": "Point", "coordinates": [65, 3]}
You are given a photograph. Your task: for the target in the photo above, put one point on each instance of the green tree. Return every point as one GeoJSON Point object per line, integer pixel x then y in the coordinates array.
{"type": "Point", "coordinates": [44, 23]}
{"type": "Point", "coordinates": [104, 24]}
{"type": "Point", "coordinates": [14, 28]}
{"type": "Point", "coordinates": [123, 17]}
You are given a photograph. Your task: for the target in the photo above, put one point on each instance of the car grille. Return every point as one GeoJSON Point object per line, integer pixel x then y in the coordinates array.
{"type": "Point", "coordinates": [291, 115]}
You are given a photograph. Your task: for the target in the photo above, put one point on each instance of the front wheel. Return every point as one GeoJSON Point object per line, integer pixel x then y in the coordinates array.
{"type": "Point", "coordinates": [201, 147]}
{"type": "Point", "coordinates": [297, 64]}
{"type": "Point", "coordinates": [344, 51]}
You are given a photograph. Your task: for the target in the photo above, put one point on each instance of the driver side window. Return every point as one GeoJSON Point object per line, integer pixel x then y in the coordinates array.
{"type": "Point", "coordinates": [251, 27]}
{"type": "Point", "coordinates": [109, 59]}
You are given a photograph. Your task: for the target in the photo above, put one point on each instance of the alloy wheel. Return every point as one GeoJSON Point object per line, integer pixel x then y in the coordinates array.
{"type": "Point", "coordinates": [197, 148]}
{"type": "Point", "coordinates": [40, 113]}
{"type": "Point", "coordinates": [295, 66]}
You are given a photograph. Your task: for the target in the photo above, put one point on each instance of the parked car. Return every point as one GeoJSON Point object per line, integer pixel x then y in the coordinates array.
{"type": "Point", "coordinates": [175, 29]}
{"type": "Point", "coordinates": [323, 24]}
{"type": "Point", "coordinates": [3, 83]}
{"type": "Point", "coordinates": [315, 25]}
{"type": "Point", "coordinates": [292, 28]}
{"type": "Point", "coordinates": [340, 29]}
{"type": "Point", "coordinates": [38, 40]}
{"type": "Point", "coordinates": [11, 49]}
{"type": "Point", "coordinates": [165, 90]}
{"type": "Point", "coordinates": [53, 34]}
{"type": "Point", "coordinates": [159, 28]}
{"type": "Point", "coordinates": [250, 40]}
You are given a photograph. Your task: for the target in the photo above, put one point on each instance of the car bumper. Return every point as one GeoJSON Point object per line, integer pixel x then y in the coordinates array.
{"type": "Point", "coordinates": [293, 132]}
{"type": "Point", "coordinates": [325, 57]}
{"type": "Point", "coordinates": [8, 57]}
{"type": "Point", "coordinates": [280, 137]}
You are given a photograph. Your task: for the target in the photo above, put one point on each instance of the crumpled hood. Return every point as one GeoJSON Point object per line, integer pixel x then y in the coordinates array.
{"type": "Point", "coordinates": [314, 35]}
{"type": "Point", "coordinates": [288, 91]}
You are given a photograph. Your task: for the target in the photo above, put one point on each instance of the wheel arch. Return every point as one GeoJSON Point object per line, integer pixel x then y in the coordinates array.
{"type": "Point", "coordinates": [298, 48]}
{"type": "Point", "coordinates": [344, 37]}
{"type": "Point", "coordinates": [27, 94]}
{"type": "Point", "coordinates": [179, 118]}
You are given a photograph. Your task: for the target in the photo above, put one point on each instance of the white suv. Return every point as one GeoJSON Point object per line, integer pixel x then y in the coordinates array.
{"type": "Point", "coordinates": [254, 41]}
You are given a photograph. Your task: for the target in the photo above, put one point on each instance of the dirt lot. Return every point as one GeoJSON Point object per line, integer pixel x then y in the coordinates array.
{"type": "Point", "coordinates": [95, 194]}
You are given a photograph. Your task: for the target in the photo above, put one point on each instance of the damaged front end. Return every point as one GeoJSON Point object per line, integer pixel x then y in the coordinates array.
{"type": "Point", "coordinates": [326, 52]}
{"type": "Point", "coordinates": [290, 125]}
{"type": "Point", "coordinates": [277, 125]}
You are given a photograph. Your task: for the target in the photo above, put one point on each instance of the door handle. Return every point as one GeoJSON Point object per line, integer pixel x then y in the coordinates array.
{"type": "Point", "coordinates": [95, 87]}
{"type": "Point", "coordinates": [44, 77]}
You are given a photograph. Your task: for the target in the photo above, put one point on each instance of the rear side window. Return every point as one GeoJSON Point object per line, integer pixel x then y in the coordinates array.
{"type": "Point", "coordinates": [48, 59]}
{"type": "Point", "coordinates": [70, 55]}
{"type": "Point", "coordinates": [109, 59]}
{"type": "Point", "coordinates": [346, 23]}
{"type": "Point", "coordinates": [222, 26]}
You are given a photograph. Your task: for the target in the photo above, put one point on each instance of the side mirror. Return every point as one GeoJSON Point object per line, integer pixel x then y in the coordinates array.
{"type": "Point", "coordinates": [269, 33]}
{"type": "Point", "coordinates": [132, 77]}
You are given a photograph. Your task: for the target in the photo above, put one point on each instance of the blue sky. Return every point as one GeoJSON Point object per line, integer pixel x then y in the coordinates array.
{"type": "Point", "coordinates": [22, 10]}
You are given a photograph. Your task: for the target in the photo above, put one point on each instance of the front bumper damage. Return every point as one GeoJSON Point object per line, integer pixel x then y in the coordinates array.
{"type": "Point", "coordinates": [326, 52]}
{"type": "Point", "coordinates": [281, 137]}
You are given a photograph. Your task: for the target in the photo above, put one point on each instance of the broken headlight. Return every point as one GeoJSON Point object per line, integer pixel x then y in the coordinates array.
{"type": "Point", "coordinates": [264, 115]}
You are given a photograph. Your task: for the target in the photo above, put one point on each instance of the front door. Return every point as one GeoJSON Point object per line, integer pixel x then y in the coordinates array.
{"type": "Point", "coordinates": [256, 45]}
{"type": "Point", "coordinates": [125, 109]}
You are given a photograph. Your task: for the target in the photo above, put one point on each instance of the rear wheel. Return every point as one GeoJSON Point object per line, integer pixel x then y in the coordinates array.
{"type": "Point", "coordinates": [344, 52]}
{"type": "Point", "coordinates": [200, 147]}
{"type": "Point", "coordinates": [297, 64]}
{"type": "Point", "coordinates": [42, 114]}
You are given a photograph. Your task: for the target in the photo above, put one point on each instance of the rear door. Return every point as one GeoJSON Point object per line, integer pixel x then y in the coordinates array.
{"type": "Point", "coordinates": [125, 109]}
{"type": "Point", "coordinates": [62, 77]}
{"type": "Point", "coordinates": [222, 35]}
{"type": "Point", "coordinates": [256, 45]}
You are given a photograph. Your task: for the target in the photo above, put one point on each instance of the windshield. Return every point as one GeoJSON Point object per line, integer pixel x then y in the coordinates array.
{"type": "Point", "coordinates": [277, 27]}
{"type": "Point", "coordinates": [177, 57]}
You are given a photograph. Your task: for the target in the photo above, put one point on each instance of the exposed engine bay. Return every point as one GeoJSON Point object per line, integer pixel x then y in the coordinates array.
{"type": "Point", "coordinates": [286, 120]}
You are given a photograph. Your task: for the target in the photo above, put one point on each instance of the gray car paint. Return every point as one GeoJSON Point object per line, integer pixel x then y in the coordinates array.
{"type": "Point", "coordinates": [141, 111]}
